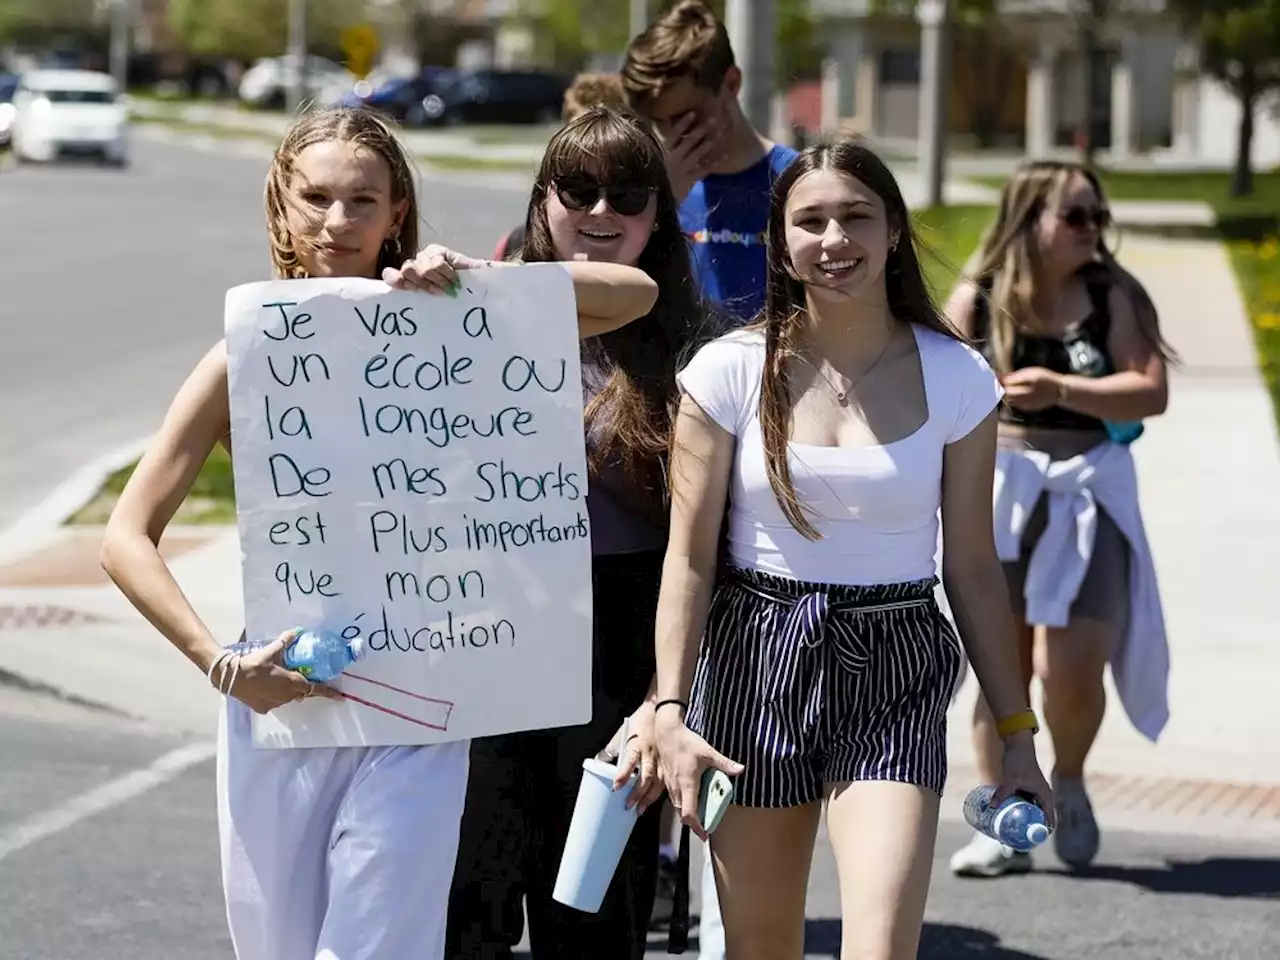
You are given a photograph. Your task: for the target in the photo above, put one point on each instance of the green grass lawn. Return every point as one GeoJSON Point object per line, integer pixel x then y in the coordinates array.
{"type": "Point", "coordinates": [212, 498]}
{"type": "Point", "coordinates": [947, 236]}
{"type": "Point", "coordinates": [1257, 265]}
{"type": "Point", "coordinates": [1209, 187]}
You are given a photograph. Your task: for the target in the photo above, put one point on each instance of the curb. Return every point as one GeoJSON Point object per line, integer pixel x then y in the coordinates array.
{"type": "Point", "coordinates": [38, 525]}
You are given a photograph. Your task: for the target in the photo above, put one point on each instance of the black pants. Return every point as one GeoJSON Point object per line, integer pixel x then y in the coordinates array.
{"type": "Point", "coordinates": [520, 799]}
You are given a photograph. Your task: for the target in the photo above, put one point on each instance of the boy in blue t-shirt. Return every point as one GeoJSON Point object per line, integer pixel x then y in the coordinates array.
{"type": "Point", "coordinates": [681, 74]}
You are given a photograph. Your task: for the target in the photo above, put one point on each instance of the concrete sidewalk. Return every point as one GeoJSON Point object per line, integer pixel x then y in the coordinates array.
{"type": "Point", "coordinates": [1209, 470]}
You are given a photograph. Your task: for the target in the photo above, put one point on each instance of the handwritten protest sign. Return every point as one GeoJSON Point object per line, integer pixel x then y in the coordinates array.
{"type": "Point", "coordinates": [411, 469]}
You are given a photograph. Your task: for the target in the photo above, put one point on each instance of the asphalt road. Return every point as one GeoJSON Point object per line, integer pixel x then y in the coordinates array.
{"type": "Point", "coordinates": [140, 880]}
{"type": "Point", "coordinates": [111, 288]}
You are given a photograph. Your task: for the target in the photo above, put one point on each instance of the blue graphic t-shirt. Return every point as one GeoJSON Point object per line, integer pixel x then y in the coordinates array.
{"type": "Point", "coordinates": [725, 218]}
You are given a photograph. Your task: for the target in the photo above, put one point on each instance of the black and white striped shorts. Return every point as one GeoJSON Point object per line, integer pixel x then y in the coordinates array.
{"type": "Point", "coordinates": [809, 684]}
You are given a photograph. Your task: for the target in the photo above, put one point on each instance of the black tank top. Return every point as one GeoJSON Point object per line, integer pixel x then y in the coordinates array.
{"type": "Point", "coordinates": [1082, 351]}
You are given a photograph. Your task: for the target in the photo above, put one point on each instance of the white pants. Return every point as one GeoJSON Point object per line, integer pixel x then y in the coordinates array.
{"type": "Point", "coordinates": [710, 923]}
{"type": "Point", "coordinates": [337, 854]}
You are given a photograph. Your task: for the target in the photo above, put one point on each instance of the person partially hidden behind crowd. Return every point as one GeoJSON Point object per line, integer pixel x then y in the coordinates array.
{"type": "Point", "coordinates": [601, 196]}
{"type": "Point", "coordinates": [314, 840]}
{"type": "Point", "coordinates": [1076, 342]}
{"type": "Point", "coordinates": [587, 90]}
{"type": "Point", "coordinates": [815, 666]}
{"type": "Point", "coordinates": [681, 74]}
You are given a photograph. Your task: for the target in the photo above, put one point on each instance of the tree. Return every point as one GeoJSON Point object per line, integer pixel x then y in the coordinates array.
{"type": "Point", "coordinates": [1090, 17]}
{"type": "Point", "coordinates": [982, 82]}
{"type": "Point", "coordinates": [578, 28]}
{"type": "Point", "coordinates": [1240, 46]}
{"type": "Point", "coordinates": [250, 29]}
{"type": "Point", "coordinates": [38, 21]}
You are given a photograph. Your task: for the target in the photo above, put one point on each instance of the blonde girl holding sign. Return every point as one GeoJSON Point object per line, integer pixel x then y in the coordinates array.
{"type": "Point", "coordinates": [331, 853]}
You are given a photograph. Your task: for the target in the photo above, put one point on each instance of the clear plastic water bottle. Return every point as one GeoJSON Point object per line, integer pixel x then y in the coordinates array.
{"type": "Point", "coordinates": [1017, 823]}
{"type": "Point", "coordinates": [320, 655]}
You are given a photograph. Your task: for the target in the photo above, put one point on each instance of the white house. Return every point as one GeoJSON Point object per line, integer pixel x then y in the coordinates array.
{"type": "Point", "coordinates": [1028, 89]}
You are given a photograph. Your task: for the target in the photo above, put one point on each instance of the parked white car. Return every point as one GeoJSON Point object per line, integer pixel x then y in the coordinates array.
{"type": "Point", "coordinates": [57, 112]}
{"type": "Point", "coordinates": [267, 82]}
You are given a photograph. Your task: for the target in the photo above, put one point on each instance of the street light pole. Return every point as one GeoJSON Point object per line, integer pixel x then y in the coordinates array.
{"type": "Point", "coordinates": [297, 53]}
{"type": "Point", "coordinates": [934, 43]}
{"type": "Point", "coordinates": [639, 17]}
{"type": "Point", "coordinates": [751, 32]}
{"type": "Point", "coordinates": [119, 43]}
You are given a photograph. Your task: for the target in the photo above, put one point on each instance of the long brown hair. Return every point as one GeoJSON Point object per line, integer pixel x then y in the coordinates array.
{"type": "Point", "coordinates": [342, 125]}
{"type": "Point", "coordinates": [631, 417]}
{"type": "Point", "coordinates": [785, 306]}
{"type": "Point", "coordinates": [1007, 259]}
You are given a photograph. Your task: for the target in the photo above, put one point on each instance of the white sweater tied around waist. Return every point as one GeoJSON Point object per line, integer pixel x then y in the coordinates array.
{"type": "Point", "coordinates": [1101, 478]}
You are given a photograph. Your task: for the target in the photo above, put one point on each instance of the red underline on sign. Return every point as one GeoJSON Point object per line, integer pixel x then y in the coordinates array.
{"type": "Point", "coordinates": [407, 693]}
{"type": "Point", "coordinates": [388, 710]}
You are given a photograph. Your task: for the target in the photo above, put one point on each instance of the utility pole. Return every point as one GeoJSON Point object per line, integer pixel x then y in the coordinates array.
{"type": "Point", "coordinates": [119, 44]}
{"type": "Point", "coordinates": [297, 93]}
{"type": "Point", "coordinates": [752, 32]}
{"type": "Point", "coordinates": [934, 17]}
{"type": "Point", "coordinates": [639, 17]}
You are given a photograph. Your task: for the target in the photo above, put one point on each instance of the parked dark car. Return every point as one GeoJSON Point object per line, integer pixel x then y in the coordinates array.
{"type": "Point", "coordinates": [497, 96]}
{"type": "Point", "coordinates": [8, 84]}
{"type": "Point", "coordinates": [402, 97]}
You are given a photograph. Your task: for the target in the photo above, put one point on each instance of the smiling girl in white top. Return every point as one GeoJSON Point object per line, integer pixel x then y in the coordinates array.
{"type": "Point", "coordinates": [835, 427]}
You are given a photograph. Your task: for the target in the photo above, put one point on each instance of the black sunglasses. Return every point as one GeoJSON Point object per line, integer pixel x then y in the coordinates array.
{"type": "Point", "coordinates": [580, 192]}
{"type": "Point", "coordinates": [1078, 218]}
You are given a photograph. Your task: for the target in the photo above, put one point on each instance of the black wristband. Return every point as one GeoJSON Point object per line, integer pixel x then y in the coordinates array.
{"type": "Point", "coordinates": [662, 703]}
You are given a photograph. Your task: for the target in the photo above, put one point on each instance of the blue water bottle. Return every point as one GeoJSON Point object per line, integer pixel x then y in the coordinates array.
{"type": "Point", "coordinates": [320, 655]}
{"type": "Point", "coordinates": [1088, 361]}
{"type": "Point", "coordinates": [1017, 823]}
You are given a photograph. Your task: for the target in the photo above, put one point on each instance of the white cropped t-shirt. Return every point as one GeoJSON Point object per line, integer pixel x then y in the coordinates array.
{"type": "Point", "coordinates": [876, 507]}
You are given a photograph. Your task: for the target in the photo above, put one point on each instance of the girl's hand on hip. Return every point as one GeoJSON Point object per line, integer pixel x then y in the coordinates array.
{"type": "Point", "coordinates": [638, 753]}
{"type": "Point", "coordinates": [682, 757]}
{"type": "Point", "coordinates": [260, 680]}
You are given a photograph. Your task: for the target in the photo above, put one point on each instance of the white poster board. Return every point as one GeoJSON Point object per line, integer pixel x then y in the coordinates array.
{"type": "Point", "coordinates": [412, 467]}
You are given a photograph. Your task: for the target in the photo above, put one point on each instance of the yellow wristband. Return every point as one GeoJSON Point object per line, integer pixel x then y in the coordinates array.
{"type": "Point", "coordinates": [1024, 720]}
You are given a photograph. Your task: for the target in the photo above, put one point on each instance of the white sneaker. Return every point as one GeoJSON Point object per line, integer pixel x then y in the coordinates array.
{"type": "Point", "coordinates": [984, 857]}
{"type": "Point", "coordinates": [1076, 837]}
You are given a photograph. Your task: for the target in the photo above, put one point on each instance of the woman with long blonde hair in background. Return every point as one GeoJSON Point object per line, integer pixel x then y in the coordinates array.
{"type": "Point", "coordinates": [1075, 340]}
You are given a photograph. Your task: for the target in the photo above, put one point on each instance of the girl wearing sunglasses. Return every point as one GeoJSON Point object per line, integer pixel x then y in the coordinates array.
{"type": "Point", "coordinates": [1075, 340]}
{"type": "Point", "coordinates": [602, 195]}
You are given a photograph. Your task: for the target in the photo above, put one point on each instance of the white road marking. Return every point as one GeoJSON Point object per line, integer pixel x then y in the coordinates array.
{"type": "Point", "coordinates": [108, 795]}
